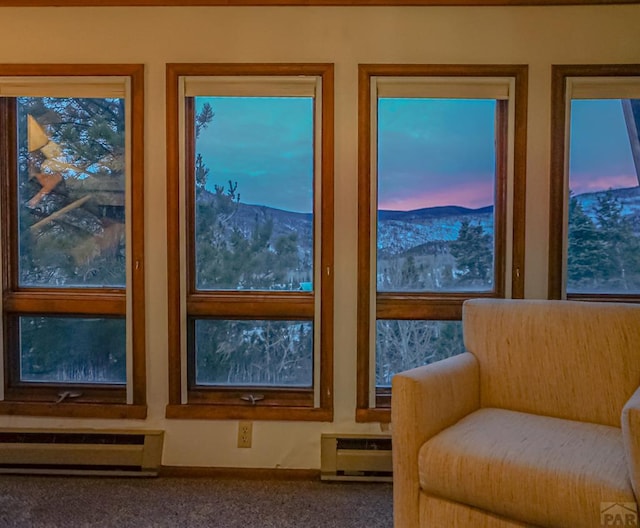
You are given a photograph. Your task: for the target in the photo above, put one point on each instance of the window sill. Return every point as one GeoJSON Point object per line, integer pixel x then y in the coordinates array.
{"type": "Point", "coordinates": [74, 410]}
{"type": "Point", "coordinates": [382, 415]}
{"type": "Point", "coordinates": [604, 297]}
{"type": "Point", "coordinates": [248, 412]}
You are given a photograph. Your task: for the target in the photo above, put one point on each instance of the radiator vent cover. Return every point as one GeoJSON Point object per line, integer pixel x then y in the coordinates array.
{"type": "Point", "coordinates": [356, 457]}
{"type": "Point", "coordinates": [81, 452]}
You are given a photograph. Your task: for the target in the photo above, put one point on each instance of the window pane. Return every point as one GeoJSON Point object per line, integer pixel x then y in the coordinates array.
{"type": "Point", "coordinates": [71, 185]}
{"type": "Point", "coordinates": [72, 350]}
{"type": "Point", "coordinates": [604, 204]}
{"type": "Point", "coordinates": [254, 193]}
{"type": "Point", "coordinates": [275, 353]}
{"type": "Point", "coordinates": [436, 181]}
{"type": "Point", "coordinates": [406, 344]}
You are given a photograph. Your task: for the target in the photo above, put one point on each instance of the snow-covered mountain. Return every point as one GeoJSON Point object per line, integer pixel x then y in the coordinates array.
{"type": "Point", "coordinates": [406, 232]}
{"type": "Point", "coordinates": [402, 231]}
{"type": "Point", "coordinates": [629, 198]}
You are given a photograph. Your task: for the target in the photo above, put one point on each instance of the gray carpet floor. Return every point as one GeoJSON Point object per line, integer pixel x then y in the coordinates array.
{"type": "Point", "coordinates": [65, 502]}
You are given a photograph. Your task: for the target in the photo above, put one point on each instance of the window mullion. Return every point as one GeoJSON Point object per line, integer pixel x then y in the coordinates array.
{"type": "Point", "coordinates": [63, 302]}
{"type": "Point", "coordinates": [501, 199]}
{"type": "Point", "coordinates": [254, 305]}
{"type": "Point", "coordinates": [8, 209]}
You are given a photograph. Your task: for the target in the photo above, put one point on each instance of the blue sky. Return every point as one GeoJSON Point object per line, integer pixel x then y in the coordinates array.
{"type": "Point", "coordinates": [263, 143]}
{"type": "Point", "coordinates": [599, 153]}
{"type": "Point", "coordinates": [435, 152]}
{"type": "Point", "coordinates": [431, 152]}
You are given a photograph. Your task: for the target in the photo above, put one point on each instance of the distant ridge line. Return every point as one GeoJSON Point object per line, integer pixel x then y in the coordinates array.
{"type": "Point", "coordinates": [433, 212]}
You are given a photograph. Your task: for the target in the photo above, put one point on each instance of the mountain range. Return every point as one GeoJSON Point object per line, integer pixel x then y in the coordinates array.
{"type": "Point", "coordinates": [403, 231]}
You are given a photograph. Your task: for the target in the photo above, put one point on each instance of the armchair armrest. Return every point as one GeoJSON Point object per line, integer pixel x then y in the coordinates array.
{"type": "Point", "coordinates": [424, 401]}
{"type": "Point", "coordinates": [631, 438]}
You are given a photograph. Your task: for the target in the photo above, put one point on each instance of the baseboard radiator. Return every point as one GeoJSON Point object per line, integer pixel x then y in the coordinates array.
{"type": "Point", "coordinates": [356, 457]}
{"type": "Point", "coordinates": [81, 452]}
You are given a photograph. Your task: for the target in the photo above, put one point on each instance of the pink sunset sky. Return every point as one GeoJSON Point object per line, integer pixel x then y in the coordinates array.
{"type": "Point", "coordinates": [473, 193]}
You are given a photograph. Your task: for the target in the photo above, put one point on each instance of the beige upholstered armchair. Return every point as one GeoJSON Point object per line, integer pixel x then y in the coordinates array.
{"type": "Point", "coordinates": [537, 424]}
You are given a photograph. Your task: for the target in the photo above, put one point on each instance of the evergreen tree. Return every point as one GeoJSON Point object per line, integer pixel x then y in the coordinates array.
{"type": "Point", "coordinates": [215, 234]}
{"type": "Point", "coordinates": [473, 252]}
{"type": "Point", "coordinates": [202, 121]}
{"type": "Point", "coordinates": [202, 172]}
{"type": "Point", "coordinates": [233, 255]}
{"type": "Point", "coordinates": [621, 247]}
{"type": "Point", "coordinates": [203, 118]}
{"type": "Point", "coordinates": [586, 253]}
{"type": "Point", "coordinates": [410, 276]}
{"type": "Point", "coordinates": [603, 255]}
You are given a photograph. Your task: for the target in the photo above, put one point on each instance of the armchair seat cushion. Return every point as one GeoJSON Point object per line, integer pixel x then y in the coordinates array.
{"type": "Point", "coordinates": [534, 469]}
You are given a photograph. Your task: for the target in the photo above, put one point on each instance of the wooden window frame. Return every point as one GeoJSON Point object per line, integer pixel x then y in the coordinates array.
{"type": "Point", "coordinates": [559, 76]}
{"type": "Point", "coordinates": [434, 306]}
{"type": "Point", "coordinates": [185, 303]}
{"type": "Point", "coordinates": [96, 401]}
{"type": "Point", "coordinates": [304, 3]}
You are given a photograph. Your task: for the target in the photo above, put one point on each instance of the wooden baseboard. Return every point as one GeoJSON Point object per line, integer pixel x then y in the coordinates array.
{"type": "Point", "coordinates": [239, 473]}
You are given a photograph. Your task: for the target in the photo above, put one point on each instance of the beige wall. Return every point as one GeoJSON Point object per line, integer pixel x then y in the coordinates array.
{"type": "Point", "coordinates": [538, 36]}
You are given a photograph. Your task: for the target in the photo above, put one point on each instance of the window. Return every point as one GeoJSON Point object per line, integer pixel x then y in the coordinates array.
{"type": "Point", "coordinates": [250, 241]}
{"type": "Point", "coordinates": [72, 241]}
{"type": "Point", "coordinates": [440, 213]}
{"type": "Point", "coordinates": [595, 186]}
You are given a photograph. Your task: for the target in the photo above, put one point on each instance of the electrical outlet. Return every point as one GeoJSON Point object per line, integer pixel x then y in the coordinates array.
{"type": "Point", "coordinates": [244, 434]}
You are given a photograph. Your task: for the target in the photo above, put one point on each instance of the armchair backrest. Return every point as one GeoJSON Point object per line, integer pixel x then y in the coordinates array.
{"type": "Point", "coordinates": [568, 359]}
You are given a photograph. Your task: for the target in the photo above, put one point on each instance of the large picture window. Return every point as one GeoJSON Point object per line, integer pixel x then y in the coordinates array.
{"type": "Point", "coordinates": [440, 212]}
{"type": "Point", "coordinates": [595, 208]}
{"type": "Point", "coordinates": [72, 247]}
{"type": "Point", "coordinates": [250, 160]}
